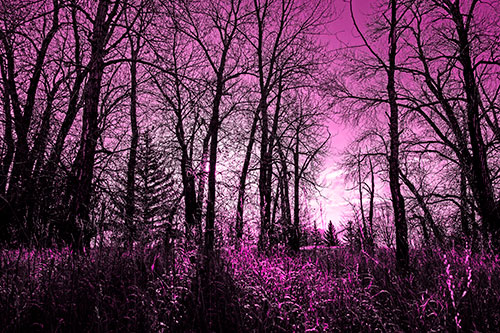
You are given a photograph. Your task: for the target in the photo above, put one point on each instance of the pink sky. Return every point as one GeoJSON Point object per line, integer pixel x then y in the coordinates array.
{"type": "Point", "coordinates": [334, 204]}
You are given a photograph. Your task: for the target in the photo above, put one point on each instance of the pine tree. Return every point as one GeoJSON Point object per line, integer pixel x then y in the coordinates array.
{"type": "Point", "coordinates": [153, 195]}
{"type": "Point", "coordinates": [154, 189]}
{"type": "Point", "coordinates": [330, 237]}
{"type": "Point", "coordinates": [352, 235]}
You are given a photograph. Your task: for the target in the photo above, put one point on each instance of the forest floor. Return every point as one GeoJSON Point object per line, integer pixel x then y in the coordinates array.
{"type": "Point", "coordinates": [104, 290]}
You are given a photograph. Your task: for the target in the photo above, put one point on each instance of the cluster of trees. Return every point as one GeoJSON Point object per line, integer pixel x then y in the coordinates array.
{"type": "Point", "coordinates": [156, 119]}
{"type": "Point", "coordinates": [430, 79]}
{"type": "Point", "coordinates": [194, 119]}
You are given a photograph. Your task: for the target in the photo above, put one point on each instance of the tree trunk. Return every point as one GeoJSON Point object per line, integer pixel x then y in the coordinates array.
{"type": "Point", "coordinates": [70, 115]}
{"type": "Point", "coordinates": [295, 239]}
{"type": "Point", "coordinates": [192, 211]}
{"type": "Point", "coordinates": [35, 161]}
{"type": "Point", "coordinates": [243, 178]}
{"type": "Point", "coordinates": [202, 179]}
{"type": "Point", "coordinates": [372, 202]}
{"type": "Point", "coordinates": [8, 138]}
{"type": "Point", "coordinates": [425, 209]}
{"type": "Point", "coordinates": [190, 202]}
{"type": "Point", "coordinates": [79, 191]}
{"type": "Point", "coordinates": [49, 171]}
{"type": "Point", "coordinates": [266, 164]}
{"type": "Point", "coordinates": [286, 212]}
{"type": "Point", "coordinates": [484, 195]}
{"type": "Point", "coordinates": [17, 193]}
{"type": "Point", "coordinates": [21, 172]}
{"type": "Point", "coordinates": [214, 141]}
{"type": "Point", "coordinates": [132, 160]}
{"type": "Point", "coordinates": [464, 204]}
{"type": "Point", "coordinates": [361, 207]}
{"type": "Point", "coordinates": [40, 143]}
{"type": "Point", "coordinates": [264, 169]}
{"type": "Point", "coordinates": [6, 161]}
{"type": "Point", "coordinates": [402, 255]}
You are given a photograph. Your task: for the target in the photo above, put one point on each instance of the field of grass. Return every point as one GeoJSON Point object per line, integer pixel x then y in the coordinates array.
{"type": "Point", "coordinates": [106, 290]}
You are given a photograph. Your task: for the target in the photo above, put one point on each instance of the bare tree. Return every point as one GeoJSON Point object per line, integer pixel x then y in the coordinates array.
{"type": "Point", "coordinates": [214, 28]}
{"type": "Point", "coordinates": [23, 102]}
{"type": "Point", "coordinates": [360, 171]}
{"type": "Point", "coordinates": [279, 39]}
{"type": "Point", "coordinates": [136, 43]}
{"type": "Point", "coordinates": [243, 177]}
{"type": "Point", "coordinates": [481, 180]}
{"type": "Point", "coordinates": [389, 66]}
{"type": "Point", "coordinates": [80, 182]}
{"type": "Point", "coordinates": [308, 143]}
{"type": "Point", "coordinates": [449, 74]}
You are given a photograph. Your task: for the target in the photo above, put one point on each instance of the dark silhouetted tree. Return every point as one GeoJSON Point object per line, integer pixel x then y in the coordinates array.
{"type": "Point", "coordinates": [75, 230]}
{"type": "Point", "coordinates": [330, 237]}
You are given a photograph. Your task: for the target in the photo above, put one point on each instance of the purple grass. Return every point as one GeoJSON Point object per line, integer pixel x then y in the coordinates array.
{"type": "Point", "coordinates": [323, 291]}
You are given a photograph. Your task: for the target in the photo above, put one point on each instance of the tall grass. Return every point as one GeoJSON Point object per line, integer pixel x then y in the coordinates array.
{"type": "Point", "coordinates": [153, 290]}
{"type": "Point", "coordinates": [345, 291]}
{"type": "Point", "coordinates": [101, 290]}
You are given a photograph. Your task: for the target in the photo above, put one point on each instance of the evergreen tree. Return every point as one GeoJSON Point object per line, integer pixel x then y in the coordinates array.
{"type": "Point", "coordinates": [352, 235]}
{"type": "Point", "coordinates": [154, 189]}
{"type": "Point", "coordinates": [330, 237]}
{"type": "Point", "coordinates": [153, 194]}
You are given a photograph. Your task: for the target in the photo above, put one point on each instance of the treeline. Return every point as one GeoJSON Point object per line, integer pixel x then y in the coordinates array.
{"type": "Point", "coordinates": [203, 121]}
{"type": "Point", "coordinates": [140, 121]}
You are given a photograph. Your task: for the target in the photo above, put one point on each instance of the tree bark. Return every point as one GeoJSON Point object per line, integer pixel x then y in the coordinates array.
{"type": "Point", "coordinates": [464, 204]}
{"type": "Point", "coordinates": [19, 181]}
{"type": "Point", "coordinates": [372, 201]}
{"type": "Point", "coordinates": [402, 254]}
{"type": "Point", "coordinates": [31, 203]}
{"type": "Point", "coordinates": [286, 212]}
{"type": "Point", "coordinates": [190, 202]}
{"type": "Point", "coordinates": [264, 170]}
{"type": "Point", "coordinates": [20, 174]}
{"type": "Point", "coordinates": [273, 230]}
{"type": "Point", "coordinates": [266, 163]}
{"type": "Point", "coordinates": [134, 140]}
{"type": "Point", "coordinates": [6, 161]}
{"type": "Point", "coordinates": [484, 195]}
{"type": "Point", "coordinates": [242, 183]}
{"type": "Point", "coordinates": [212, 175]}
{"type": "Point", "coordinates": [361, 207]}
{"type": "Point", "coordinates": [79, 191]}
{"type": "Point", "coordinates": [425, 209]}
{"type": "Point", "coordinates": [295, 239]}
{"type": "Point", "coordinates": [8, 138]}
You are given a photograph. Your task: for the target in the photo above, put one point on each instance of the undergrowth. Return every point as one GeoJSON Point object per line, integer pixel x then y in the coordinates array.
{"type": "Point", "coordinates": [153, 290]}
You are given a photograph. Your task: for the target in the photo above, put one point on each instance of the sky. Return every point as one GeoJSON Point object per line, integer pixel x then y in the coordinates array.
{"type": "Point", "coordinates": [332, 204]}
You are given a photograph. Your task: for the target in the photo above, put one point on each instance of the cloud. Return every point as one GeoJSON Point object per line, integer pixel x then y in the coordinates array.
{"type": "Point", "coordinates": [332, 204]}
